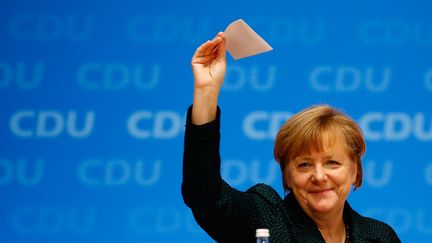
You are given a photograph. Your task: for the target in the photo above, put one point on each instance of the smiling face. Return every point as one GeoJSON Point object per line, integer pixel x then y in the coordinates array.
{"type": "Point", "coordinates": [322, 180]}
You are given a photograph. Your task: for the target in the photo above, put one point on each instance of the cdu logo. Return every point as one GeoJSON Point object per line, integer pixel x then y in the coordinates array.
{"type": "Point", "coordinates": [348, 79]}
{"type": "Point", "coordinates": [404, 219]}
{"type": "Point", "coordinates": [260, 78]}
{"type": "Point", "coordinates": [263, 125]}
{"type": "Point", "coordinates": [51, 27]}
{"type": "Point", "coordinates": [395, 32]}
{"type": "Point", "coordinates": [282, 30]}
{"type": "Point", "coordinates": [21, 171]}
{"type": "Point", "coordinates": [378, 177]}
{"type": "Point", "coordinates": [115, 172]}
{"type": "Point", "coordinates": [396, 126]}
{"type": "Point", "coordinates": [51, 123]}
{"type": "Point", "coordinates": [162, 220]}
{"type": "Point", "coordinates": [158, 125]}
{"type": "Point", "coordinates": [23, 75]}
{"type": "Point", "coordinates": [52, 220]}
{"type": "Point", "coordinates": [96, 76]}
{"type": "Point", "coordinates": [167, 29]}
{"type": "Point", "coordinates": [241, 173]}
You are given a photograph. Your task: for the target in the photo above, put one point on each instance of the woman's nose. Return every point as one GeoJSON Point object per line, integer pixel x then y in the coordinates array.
{"type": "Point", "coordinates": [319, 174]}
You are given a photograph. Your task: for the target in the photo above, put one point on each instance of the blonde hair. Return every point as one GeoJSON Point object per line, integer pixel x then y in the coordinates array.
{"type": "Point", "coordinates": [305, 132]}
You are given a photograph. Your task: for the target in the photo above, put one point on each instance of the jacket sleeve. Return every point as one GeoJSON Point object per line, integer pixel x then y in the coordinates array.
{"type": "Point", "coordinates": [225, 213]}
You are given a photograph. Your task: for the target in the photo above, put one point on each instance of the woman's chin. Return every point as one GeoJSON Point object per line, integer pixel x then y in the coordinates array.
{"type": "Point", "coordinates": [322, 206]}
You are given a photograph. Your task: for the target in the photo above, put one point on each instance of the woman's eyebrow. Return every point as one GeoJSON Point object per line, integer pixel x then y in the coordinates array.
{"type": "Point", "coordinates": [303, 157]}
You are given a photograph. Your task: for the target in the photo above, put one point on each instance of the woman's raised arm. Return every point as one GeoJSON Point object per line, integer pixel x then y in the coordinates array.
{"type": "Point", "coordinates": [209, 67]}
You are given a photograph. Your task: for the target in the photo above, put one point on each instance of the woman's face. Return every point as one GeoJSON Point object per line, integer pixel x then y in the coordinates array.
{"type": "Point", "coordinates": [321, 181]}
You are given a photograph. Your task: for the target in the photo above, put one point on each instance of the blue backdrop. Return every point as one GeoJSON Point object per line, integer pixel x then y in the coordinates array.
{"type": "Point", "coordinates": [94, 94]}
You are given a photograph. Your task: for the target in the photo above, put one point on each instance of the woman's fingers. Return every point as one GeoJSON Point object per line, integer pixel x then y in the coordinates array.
{"type": "Point", "coordinates": [204, 60]}
{"type": "Point", "coordinates": [202, 49]}
{"type": "Point", "coordinates": [213, 45]}
{"type": "Point", "coordinates": [221, 52]}
{"type": "Point", "coordinates": [210, 49]}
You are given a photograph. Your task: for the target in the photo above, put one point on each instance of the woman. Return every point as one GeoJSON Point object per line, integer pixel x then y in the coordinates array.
{"type": "Point", "coordinates": [319, 151]}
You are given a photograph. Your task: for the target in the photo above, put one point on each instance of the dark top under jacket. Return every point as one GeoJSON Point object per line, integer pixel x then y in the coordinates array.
{"type": "Point", "coordinates": [229, 215]}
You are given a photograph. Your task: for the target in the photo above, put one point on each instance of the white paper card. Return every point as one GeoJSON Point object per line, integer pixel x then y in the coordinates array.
{"type": "Point", "coordinates": [242, 41]}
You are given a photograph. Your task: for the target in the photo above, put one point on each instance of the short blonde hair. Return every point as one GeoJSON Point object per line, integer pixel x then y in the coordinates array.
{"type": "Point", "coordinates": [305, 132]}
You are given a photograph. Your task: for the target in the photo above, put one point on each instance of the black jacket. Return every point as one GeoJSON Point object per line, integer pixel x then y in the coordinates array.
{"type": "Point", "coordinates": [229, 215]}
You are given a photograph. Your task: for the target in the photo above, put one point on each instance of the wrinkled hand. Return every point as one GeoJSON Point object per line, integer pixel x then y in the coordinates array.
{"type": "Point", "coordinates": [209, 64]}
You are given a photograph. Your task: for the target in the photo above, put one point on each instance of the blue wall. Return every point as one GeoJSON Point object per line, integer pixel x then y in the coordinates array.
{"type": "Point", "coordinates": [93, 96]}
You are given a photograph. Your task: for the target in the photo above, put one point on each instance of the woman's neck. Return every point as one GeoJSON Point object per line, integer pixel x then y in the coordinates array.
{"type": "Point", "coordinates": [331, 226]}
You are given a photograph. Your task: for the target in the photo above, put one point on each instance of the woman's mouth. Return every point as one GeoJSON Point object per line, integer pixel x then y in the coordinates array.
{"type": "Point", "coordinates": [320, 191]}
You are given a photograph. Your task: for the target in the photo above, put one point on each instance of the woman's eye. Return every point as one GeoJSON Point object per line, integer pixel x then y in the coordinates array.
{"type": "Point", "coordinates": [333, 162]}
{"type": "Point", "coordinates": [303, 165]}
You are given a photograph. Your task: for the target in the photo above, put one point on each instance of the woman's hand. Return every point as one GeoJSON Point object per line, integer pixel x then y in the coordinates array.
{"type": "Point", "coordinates": [209, 63]}
{"type": "Point", "coordinates": [209, 67]}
